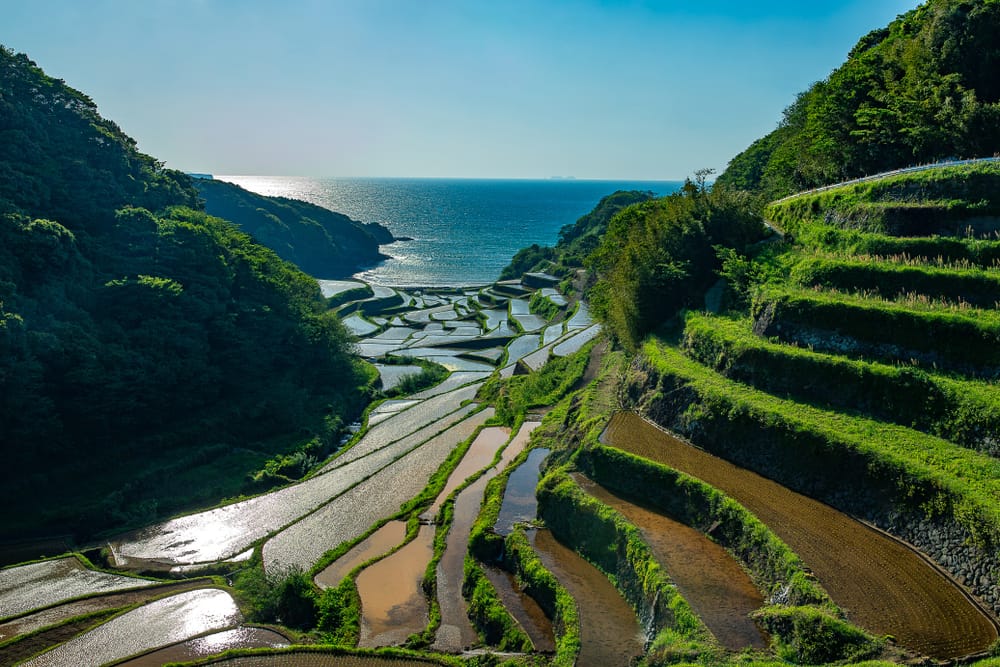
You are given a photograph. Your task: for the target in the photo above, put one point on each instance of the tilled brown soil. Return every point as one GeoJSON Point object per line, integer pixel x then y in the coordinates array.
{"type": "Point", "coordinates": [883, 585]}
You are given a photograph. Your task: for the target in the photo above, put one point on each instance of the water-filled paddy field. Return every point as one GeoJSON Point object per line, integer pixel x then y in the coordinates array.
{"type": "Point", "coordinates": [609, 630]}
{"type": "Point", "coordinates": [885, 586]}
{"type": "Point", "coordinates": [172, 619]}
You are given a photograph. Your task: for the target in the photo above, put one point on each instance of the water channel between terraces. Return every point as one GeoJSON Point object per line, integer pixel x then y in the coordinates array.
{"type": "Point", "coordinates": [708, 577]}
{"type": "Point", "coordinates": [882, 584]}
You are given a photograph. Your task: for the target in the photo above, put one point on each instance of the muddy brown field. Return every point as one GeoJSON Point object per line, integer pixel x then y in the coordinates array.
{"type": "Point", "coordinates": [882, 584]}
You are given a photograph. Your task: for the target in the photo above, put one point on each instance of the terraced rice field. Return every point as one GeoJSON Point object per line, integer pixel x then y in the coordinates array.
{"type": "Point", "coordinates": [523, 608]}
{"type": "Point", "coordinates": [885, 586]}
{"type": "Point", "coordinates": [167, 621]}
{"type": "Point", "coordinates": [380, 542]}
{"type": "Point", "coordinates": [213, 535]}
{"type": "Point", "coordinates": [316, 659]}
{"type": "Point", "coordinates": [349, 515]}
{"type": "Point", "coordinates": [213, 644]}
{"type": "Point", "coordinates": [393, 604]}
{"type": "Point", "coordinates": [36, 585]}
{"type": "Point", "coordinates": [49, 616]}
{"type": "Point", "coordinates": [406, 441]}
{"type": "Point", "coordinates": [519, 502]}
{"type": "Point", "coordinates": [456, 632]}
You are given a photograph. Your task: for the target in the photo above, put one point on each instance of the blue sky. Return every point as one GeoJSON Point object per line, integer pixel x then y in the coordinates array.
{"type": "Point", "coordinates": [455, 88]}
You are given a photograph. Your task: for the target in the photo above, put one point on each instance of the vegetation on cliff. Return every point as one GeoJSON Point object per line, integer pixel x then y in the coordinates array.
{"type": "Point", "coordinates": [150, 354]}
{"type": "Point", "coordinates": [576, 241]}
{"type": "Point", "coordinates": [921, 89]}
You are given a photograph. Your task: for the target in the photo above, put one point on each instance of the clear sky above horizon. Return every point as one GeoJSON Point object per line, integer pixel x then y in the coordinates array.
{"type": "Point", "coordinates": [443, 88]}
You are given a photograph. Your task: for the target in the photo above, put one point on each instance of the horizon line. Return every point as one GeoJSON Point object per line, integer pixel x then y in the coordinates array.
{"type": "Point", "coordinates": [568, 179]}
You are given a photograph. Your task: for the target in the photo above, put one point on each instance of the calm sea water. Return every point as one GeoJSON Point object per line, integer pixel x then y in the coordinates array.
{"type": "Point", "coordinates": [464, 231]}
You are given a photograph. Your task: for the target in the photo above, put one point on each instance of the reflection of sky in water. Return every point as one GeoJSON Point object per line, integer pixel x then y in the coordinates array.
{"type": "Point", "coordinates": [156, 624]}
{"type": "Point", "coordinates": [519, 501]}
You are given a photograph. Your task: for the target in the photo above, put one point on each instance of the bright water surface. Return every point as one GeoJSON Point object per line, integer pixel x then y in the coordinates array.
{"type": "Point", "coordinates": [464, 231]}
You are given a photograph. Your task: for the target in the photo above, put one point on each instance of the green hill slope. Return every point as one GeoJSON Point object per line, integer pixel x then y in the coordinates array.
{"type": "Point", "coordinates": [148, 351]}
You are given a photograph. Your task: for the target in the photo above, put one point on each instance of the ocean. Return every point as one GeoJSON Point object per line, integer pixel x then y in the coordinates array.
{"type": "Point", "coordinates": [464, 231]}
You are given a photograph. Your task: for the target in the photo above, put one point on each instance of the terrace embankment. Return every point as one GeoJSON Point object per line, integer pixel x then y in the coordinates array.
{"type": "Point", "coordinates": [886, 586]}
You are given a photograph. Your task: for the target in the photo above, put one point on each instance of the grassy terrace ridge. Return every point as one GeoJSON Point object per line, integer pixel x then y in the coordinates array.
{"type": "Point", "coordinates": [939, 198]}
{"type": "Point", "coordinates": [962, 337]}
{"type": "Point", "coordinates": [966, 412]}
{"type": "Point", "coordinates": [931, 250]}
{"type": "Point", "coordinates": [894, 276]}
{"type": "Point", "coordinates": [951, 479]}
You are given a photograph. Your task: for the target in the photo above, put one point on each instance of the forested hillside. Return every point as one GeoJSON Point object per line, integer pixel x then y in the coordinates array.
{"type": "Point", "coordinates": [148, 351]}
{"type": "Point", "coordinates": [576, 241]}
{"type": "Point", "coordinates": [321, 242]}
{"type": "Point", "coordinates": [921, 89]}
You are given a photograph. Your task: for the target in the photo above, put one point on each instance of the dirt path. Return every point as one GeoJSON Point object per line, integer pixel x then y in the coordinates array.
{"type": "Point", "coordinates": [882, 584]}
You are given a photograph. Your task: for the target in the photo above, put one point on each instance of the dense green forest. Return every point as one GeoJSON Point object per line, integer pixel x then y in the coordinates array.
{"type": "Point", "coordinates": [921, 89]}
{"type": "Point", "coordinates": [150, 354]}
{"type": "Point", "coordinates": [320, 242]}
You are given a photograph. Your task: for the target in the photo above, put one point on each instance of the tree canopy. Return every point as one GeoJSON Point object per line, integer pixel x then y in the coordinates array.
{"type": "Point", "coordinates": [922, 89]}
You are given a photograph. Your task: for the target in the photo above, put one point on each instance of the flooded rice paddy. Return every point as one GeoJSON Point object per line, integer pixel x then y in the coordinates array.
{"type": "Point", "coordinates": [167, 621]}
{"type": "Point", "coordinates": [416, 417]}
{"type": "Point", "coordinates": [392, 375]}
{"type": "Point", "coordinates": [334, 287]}
{"type": "Point", "coordinates": [610, 635]}
{"type": "Point", "coordinates": [456, 632]}
{"type": "Point", "coordinates": [36, 585]}
{"type": "Point", "coordinates": [22, 625]}
{"type": "Point", "coordinates": [407, 440]}
{"type": "Point", "coordinates": [523, 609]}
{"type": "Point", "coordinates": [393, 604]}
{"type": "Point", "coordinates": [715, 585]}
{"type": "Point", "coordinates": [202, 647]}
{"type": "Point", "coordinates": [376, 544]}
{"type": "Point", "coordinates": [350, 514]}
{"type": "Point", "coordinates": [521, 347]}
{"type": "Point", "coordinates": [519, 502]}
{"type": "Point", "coordinates": [882, 584]}
{"type": "Point", "coordinates": [216, 534]}
{"type": "Point", "coordinates": [454, 381]}
{"type": "Point", "coordinates": [479, 455]}
{"type": "Point", "coordinates": [576, 342]}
